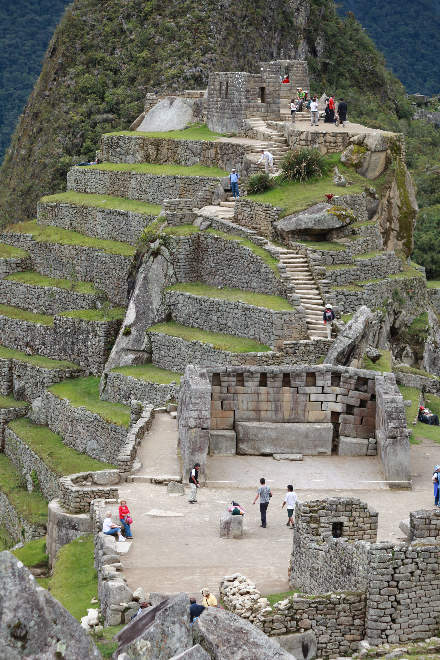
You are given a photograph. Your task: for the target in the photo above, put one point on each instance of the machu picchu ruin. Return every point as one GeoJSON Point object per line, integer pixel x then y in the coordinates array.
{"type": "Point", "coordinates": [220, 308]}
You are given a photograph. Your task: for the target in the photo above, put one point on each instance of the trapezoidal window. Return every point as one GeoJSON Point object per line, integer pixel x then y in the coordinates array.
{"type": "Point", "coordinates": [337, 530]}
{"type": "Point", "coordinates": [262, 94]}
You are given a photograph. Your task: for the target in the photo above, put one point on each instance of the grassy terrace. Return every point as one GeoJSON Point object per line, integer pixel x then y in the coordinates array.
{"type": "Point", "coordinates": [149, 373]}
{"type": "Point", "coordinates": [103, 202]}
{"type": "Point", "coordinates": [382, 364]}
{"type": "Point", "coordinates": [407, 273]}
{"type": "Point", "coordinates": [323, 245]}
{"type": "Point", "coordinates": [218, 340]}
{"type": "Point", "coordinates": [29, 505]}
{"type": "Point", "coordinates": [276, 303]}
{"type": "Point", "coordinates": [43, 234]}
{"type": "Point", "coordinates": [33, 553]}
{"type": "Point", "coordinates": [433, 284]}
{"type": "Point", "coordinates": [10, 252]}
{"type": "Point", "coordinates": [160, 170]}
{"type": "Point", "coordinates": [35, 360]}
{"type": "Point", "coordinates": [10, 402]}
{"type": "Point", "coordinates": [293, 196]}
{"type": "Point", "coordinates": [35, 279]}
{"type": "Point", "coordinates": [50, 448]}
{"type": "Point", "coordinates": [23, 315]}
{"type": "Point", "coordinates": [264, 255]}
{"type": "Point", "coordinates": [406, 369]}
{"type": "Point", "coordinates": [193, 132]}
{"type": "Point", "coordinates": [84, 392]}
{"type": "Point", "coordinates": [105, 314]}
{"type": "Point", "coordinates": [420, 430]}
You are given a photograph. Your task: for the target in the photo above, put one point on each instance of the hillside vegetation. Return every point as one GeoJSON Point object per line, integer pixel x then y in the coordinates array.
{"type": "Point", "coordinates": [105, 56]}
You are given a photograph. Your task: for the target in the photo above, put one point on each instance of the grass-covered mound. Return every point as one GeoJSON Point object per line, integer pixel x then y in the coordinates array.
{"type": "Point", "coordinates": [84, 392]}
{"type": "Point", "coordinates": [382, 364]}
{"type": "Point", "coordinates": [276, 303]}
{"type": "Point", "coordinates": [53, 452]}
{"type": "Point", "coordinates": [103, 202]}
{"type": "Point", "coordinates": [149, 373]}
{"type": "Point", "coordinates": [218, 340]}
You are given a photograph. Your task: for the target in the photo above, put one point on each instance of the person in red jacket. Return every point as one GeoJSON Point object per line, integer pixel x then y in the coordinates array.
{"type": "Point", "coordinates": [125, 518]}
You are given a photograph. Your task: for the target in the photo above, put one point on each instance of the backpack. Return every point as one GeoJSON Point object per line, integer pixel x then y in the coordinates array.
{"type": "Point", "coordinates": [435, 476]}
{"type": "Point", "coordinates": [328, 315]}
{"type": "Point", "coordinates": [235, 511]}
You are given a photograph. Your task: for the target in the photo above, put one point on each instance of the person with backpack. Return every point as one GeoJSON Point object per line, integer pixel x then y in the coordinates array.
{"type": "Point", "coordinates": [264, 494]}
{"type": "Point", "coordinates": [194, 483]}
{"type": "Point", "coordinates": [342, 111]}
{"type": "Point", "coordinates": [436, 482]}
{"type": "Point", "coordinates": [328, 318]}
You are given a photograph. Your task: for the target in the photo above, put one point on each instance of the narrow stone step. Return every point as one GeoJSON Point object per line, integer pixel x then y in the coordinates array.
{"type": "Point", "coordinates": [228, 204]}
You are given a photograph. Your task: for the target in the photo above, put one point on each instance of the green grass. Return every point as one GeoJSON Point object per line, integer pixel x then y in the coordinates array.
{"type": "Point", "coordinates": [29, 505]}
{"type": "Point", "coordinates": [50, 234]}
{"type": "Point", "coordinates": [33, 553]}
{"type": "Point", "coordinates": [346, 317]}
{"type": "Point", "coordinates": [410, 394]}
{"type": "Point", "coordinates": [160, 170]}
{"type": "Point", "coordinates": [10, 402]}
{"type": "Point", "coordinates": [35, 279]}
{"type": "Point", "coordinates": [74, 581]}
{"type": "Point", "coordinates": [322, 245]}
{"type": "Point", "coordinates": [50, 448]}
{"type": "Point", "coordinates": [84, 392]}
{"type": "Point", "coordinates": [293, 196]}
{"type": "Point", "coordinates": [105, 644]}
{"type": "Point", "coordinates": [193, 132]}
{"type": "Point", "coordinates": [406, 369]}
{"type": "Point", "coordinates": [150, 373]}
{"type": "Point", "coordinates": [103, 202]}
{"type": "Point", "coordinates": [35, 360]}
{"type": "Point", "coordinates": [218, 340]}
{"type": "Point", "coordinates": [24, 315]}
{"type": "Point", "coordinates": [340, 267]}
{"type": "Point", "coordinates": [420, 431]}
{"type": "Point", "coordinates": [181, 230]}
{"type": "Point", "coordinates": [11, 252]}
{"type": "Point", "coordinates": [382, 364]}
{"type": "Point", "coordinates": [6, 541]}
{"type": "Point", "coordinates": [104, 314]}
{"type": "Point", "coordinates": [264, 255]}
{"type": "Point", "coordinates": [419, 326]}
{"type": "Point", "coordinates": [235, 295]}
{"type": "Point", "coordinates": [275, 598]}
{"type": "Point", "coordinates": [368, 255]}
{"type": "Point", "coordinates": [433, 284]}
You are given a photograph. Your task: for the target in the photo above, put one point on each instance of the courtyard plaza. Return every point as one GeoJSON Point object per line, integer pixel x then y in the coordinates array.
{"type": "Point", "coordinates": [177, 546]}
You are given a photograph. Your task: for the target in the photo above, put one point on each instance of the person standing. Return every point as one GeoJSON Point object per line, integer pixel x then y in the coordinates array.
{"type": "Point", "coordinates": [125, 518]}
{"type": "Point", "coordinates": [342, 111]}
{"type": "Point", "coordinates": [436, 482]}
{"type": "Point", "coordinates": [208, 599]}
{"type": "Point", "coordinates": [293, 108]}
{"type": "Point", "coordinates": [331, 108]}
{"type": "Point", "coordinates": [195, 610]}
{"type": "Point", "coordinates": [194, 483]}
{"type": "Point", "coordinates": [233, 180]}
{"type": "Point", "coordinates": [290, 501]}
{"type": "Point", "coordinates": [314, 112]}
{"type": "Point", "coordinates": [328, 318]}
{"type": "Point", "coordinates": [264, 494]}
{"type": "Point", "coordinates": [267, 159]}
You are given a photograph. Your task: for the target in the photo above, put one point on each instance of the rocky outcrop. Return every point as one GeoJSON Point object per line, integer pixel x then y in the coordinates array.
{"type": "Point", "coordinates": [172, 113]}
{"type": "Point", "coordinates": [431, 355]}
{"type": "Point", "coordinates": [33, 624]}
{"type": "Point", "coordinates": [314, 221]}
{"type": "Point", "coordinates": [351, 342]}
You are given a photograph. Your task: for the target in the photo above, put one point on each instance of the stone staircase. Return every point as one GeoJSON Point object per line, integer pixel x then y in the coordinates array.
{"type": "Point", "coordinates": [298, 271]}
{"type": "Point", "coordinates": [274, 142]}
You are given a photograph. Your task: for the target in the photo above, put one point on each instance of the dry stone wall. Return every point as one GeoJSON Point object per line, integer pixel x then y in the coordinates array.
{"type": "Point", "coordinates": [108, 224]}
{"type": "Point", "coordinates": [256, 216]}
{"type": "Point", "coordinates": [46, 299]}
{"type": "Point", "coordinates": [6, 416]}
{"type": "Point", "coordinates": [423, 383]}
{"type": "Point", "coordinates": [28, 381]}
{"type": "Point", "coordinates": [364, 269]}
{"type": "Point", "coordinates": [64, 527]}
{"type": "Point", "coordinates": [77, 491]}
{"type": "Point", "coordinates": [19, 529]}
{"type": "Point", "coordinates": [328, 142]}
{"type": "Point", "coordinates": [123, 388]}
{"type": "Point", "coordinates": [14, 265]}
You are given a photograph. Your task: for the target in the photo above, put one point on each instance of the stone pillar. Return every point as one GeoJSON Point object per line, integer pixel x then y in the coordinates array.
{"type": "Point", "coordinates": [194, 419]}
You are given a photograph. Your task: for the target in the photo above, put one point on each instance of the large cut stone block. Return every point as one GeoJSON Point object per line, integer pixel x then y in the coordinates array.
{"type": "Point", "coordinates": [296, 438]}
{"type": "Point", "coordinates": [231, 526]}
{"type": "Point", "coordinates": [352, 446]}
{"type": "Point", "coordinates": [222, 442]}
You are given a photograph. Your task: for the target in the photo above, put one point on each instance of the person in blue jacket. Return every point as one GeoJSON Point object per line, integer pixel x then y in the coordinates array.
{"type": "Point", "coordinates": [436, 482]}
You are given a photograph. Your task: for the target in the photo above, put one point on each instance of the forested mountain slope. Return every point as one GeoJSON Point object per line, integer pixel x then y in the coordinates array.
{"type": "Point", "coordinates": [26, 27]}
{"type": "Point", "coordinates": [104, 56]}
{"type": "Point", "coordinates": [407, 33]}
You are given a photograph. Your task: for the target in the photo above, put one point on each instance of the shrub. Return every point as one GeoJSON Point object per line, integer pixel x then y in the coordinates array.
{"type": "Point", "coordinates": [259, 183]}
{"type": "Point", "coordinates": [303, 164]}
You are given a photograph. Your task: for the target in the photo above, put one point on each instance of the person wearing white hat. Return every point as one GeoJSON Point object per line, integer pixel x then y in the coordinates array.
{"type": "Point", "coordinates": [328, 318]}
{"type": "Point", "coordinates": [233, 180]}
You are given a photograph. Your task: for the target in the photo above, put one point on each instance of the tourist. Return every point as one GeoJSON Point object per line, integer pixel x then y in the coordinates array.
{"type": "Point", "coordinates": [109, 528]}
{"type": "Point", "coordinates": [314, 112]}
{"type": "Point", "coordinates": [267, 159]}
{"type": "Point", "coordinates": [290, 500]}
{"type": "Point", "coordinates": [427, 417]}
{"type": "Point", "coordinates": [125, 518]}
{"type": "Point", "coordinates": [332, 108]}
{"type": "Point", "coordinates": [342, 111]}
{"type": "Point", "coordinates": [194, 610]}
{"type": "Point", "coordinates": [194, 483]}
{"type": "Point", "coordinates": [233, 180]}
{"type": "Point", "coordinates": [293, 108]}
{"type": "Point", "coordinates": [300, 95]}
{"type": "Point", "coordinates": [286, 78]}
{"type": "Point", "coordinates": [235, 509]}
{"type": "Point", "coordinates": [436, 482]}
{"type": "Point", "coordinates": [208, 599]}
{"type": "Point", "coordinates": [264, 494]}
{"type": "Point", "coordinates": [142, 606]}
{"type": "Point", "coordinates": [328, 318]}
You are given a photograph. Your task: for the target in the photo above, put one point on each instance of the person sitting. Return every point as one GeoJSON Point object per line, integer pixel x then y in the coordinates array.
{"type": "Point", "coordinates": [208, 599]}
{"type": "Point", "coordinates": [142, 606]}
{"type": "Point", "coordinates": [195, 610]}
{"type": "Point", "coordinates": [235, 509]}
{"type": "Point", "coordinates": [109, 528]}
{"type": "Point", "coordinates": [286, 78]}
{"type": "Point", "coordinates": [125, 519]}
{"type": "Point", "coordinates": [427, 417]}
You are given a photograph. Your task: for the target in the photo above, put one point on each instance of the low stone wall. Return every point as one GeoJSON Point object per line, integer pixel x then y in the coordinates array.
{"type": "Point", "coordinates": [31, 466]}
{"type": "Point", "coordinates": [237, 318]}
{"type": "Point", "coordinates": [28, 381]}
{"type": "Point", "coordinates": [329, 142]}
{"type": "Point", "coordinates": [364, 269]}
{"type": "Point", "coordinates": [63, 527]}
{"type": "Point", "coordinates": [127, 454]}
{"type": "Point", "coordinates": [316, 518]}
{"type": "Point", "coordinates": [108, 272]}
{"type": "Point", "coordinates": [337, 619]}
{"type": "Point", "coordinates": [376, 293]}
{"type": "Point", "coordinates": [254, 215]}
{"type": "Point", "coordinates": [46, 299]}
{"type": "Point", "coordinates": [77, 491]}
{"type": "Point", "coordinates": [6, 416]}
{"type": "Point", "coordinates": [179, 211]}
{"type": "Point", "coordinates": [122, 388]}
{"type": "Point", "coordinates": [110, 224]}
{"type": "Point", "coordinates": [10, 265]}
{"type": "Point", "coordinates": [143, 149]}
{"type": "Point", "coordinates": [19, 529]}
{"type": "Point", "coordinates": [152, 188]}
{"type": "Point", "coordinates": [423, 383]}
{"type": "Point", "coordinates": [434, 299]}
{"type": "Point", "coordinates": [305, 351]}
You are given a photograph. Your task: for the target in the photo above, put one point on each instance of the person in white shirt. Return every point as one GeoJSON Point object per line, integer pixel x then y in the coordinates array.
{"type": "Point", "coordinates": [293, 109]}
{"type": "Point", "coordinates": [314, 112]}
{"type": "Point", "coordinates": [267, 159]}
{"type": "Point", "coordinates": [290, 500]}
{"type": "Point", "coordinates": [109, 528]}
